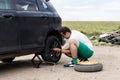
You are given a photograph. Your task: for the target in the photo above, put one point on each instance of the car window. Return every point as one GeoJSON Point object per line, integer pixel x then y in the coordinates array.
{"type": "Point", "coordinates": [4, 4]}
{"type": "Point", "coordinates": [26, 5]}
{"type": "Point", "coordinates": [43, 6]}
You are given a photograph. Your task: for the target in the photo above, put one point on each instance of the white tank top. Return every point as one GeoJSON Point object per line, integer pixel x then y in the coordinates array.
{"type": "Point", "coordinates": [81, 37]}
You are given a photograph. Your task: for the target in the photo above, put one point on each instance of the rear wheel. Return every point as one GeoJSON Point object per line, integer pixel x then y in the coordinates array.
{"type": "Point", "coordinates": [8, 60]}
{"type": "Point", "coordinates": [49, 55]}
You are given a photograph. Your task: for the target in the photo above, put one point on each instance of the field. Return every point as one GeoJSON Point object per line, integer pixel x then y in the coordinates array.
{"type": "Point", "coordinates": [93, 28]}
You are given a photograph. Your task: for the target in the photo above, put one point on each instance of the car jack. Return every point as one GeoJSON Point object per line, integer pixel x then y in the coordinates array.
{"type": "Point", "coordinates": [36, 63]}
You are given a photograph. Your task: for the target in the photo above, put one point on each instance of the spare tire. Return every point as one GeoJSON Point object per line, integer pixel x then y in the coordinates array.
{"type": "Point", "coordinates": [88, 67]}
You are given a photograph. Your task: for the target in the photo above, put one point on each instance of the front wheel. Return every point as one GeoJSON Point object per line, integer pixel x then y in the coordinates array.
{"type": "Point", "coordinates": [49, 55]}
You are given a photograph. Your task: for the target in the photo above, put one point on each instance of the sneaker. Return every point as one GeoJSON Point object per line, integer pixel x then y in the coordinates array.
{"type": "Point", "coordinates": [69, 65]}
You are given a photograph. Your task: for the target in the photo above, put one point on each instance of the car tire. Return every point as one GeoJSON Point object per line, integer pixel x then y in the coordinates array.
{"type": "Point", "coordinates": [8, 60]}
{"type": "Point", "coordinates": [88, 67]}
{"type": "Point", "coordinates": [49, 55]}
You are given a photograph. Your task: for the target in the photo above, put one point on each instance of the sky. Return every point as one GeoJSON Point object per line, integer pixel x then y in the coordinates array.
{"type": "Point", "coordinates": [88, 10]}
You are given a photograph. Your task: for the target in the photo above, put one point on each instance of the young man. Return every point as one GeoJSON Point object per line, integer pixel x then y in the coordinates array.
{"type": "Point", "coordinates": [78, 46]}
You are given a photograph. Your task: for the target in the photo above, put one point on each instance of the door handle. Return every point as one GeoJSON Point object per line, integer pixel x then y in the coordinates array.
{"type": "Point", "coordinates": [8, 15]}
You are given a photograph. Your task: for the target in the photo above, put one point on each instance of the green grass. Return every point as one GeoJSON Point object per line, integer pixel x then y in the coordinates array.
{"type": "Point", "coordinates": [93, 28]}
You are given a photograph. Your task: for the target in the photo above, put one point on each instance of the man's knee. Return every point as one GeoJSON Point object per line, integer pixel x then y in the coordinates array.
{"type": "Point", "coordinates": [73, 42]}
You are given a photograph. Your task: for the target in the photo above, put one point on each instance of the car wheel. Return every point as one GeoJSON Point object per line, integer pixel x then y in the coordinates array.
{"type": "Point", "coordinates": [8, 60]}
{"type": "Point", "coordinates": [88, 67]}
{"type": "Point", "coordinates": [49, 55]}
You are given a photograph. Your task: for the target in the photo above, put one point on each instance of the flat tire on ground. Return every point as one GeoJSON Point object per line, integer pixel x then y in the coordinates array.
{"type": "Point", "coordinates": [88, 67]}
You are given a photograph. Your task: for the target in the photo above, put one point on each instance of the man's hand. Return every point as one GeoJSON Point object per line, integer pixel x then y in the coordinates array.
{"type": "Point", "coordinates": [58, 51]}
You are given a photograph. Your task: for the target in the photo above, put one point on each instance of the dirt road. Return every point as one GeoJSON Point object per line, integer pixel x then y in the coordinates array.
{"type": "Point", "coordinates": [22, 69]}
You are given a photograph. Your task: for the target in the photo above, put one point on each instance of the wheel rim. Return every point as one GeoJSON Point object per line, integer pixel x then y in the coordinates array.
{"type": "Point", "coordinates": [49, 54]}
{"type": "Point", "coordinates": [54, 44]}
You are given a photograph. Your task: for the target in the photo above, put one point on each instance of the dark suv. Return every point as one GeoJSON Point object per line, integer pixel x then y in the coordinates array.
{"type": "Point", "coordinates": [28, 27]}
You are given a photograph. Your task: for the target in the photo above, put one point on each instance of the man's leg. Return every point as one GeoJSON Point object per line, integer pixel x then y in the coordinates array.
{"type": "Point", "coordinates": [67, 47]}
{"type": "Point", "coordinates": [74, 50]}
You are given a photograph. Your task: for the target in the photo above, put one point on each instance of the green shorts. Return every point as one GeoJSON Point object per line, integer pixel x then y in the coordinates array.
{"type": "Point", "coordinates": [84, 52]}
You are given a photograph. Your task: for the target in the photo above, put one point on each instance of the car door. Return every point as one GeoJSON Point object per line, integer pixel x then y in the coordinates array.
{"type": "Point", "coordinates": [33, 23]}
{"type": "Point", "coordinates": [8, 27]}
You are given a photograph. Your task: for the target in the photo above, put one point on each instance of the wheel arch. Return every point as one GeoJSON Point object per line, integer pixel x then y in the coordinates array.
{"type": "Point", "coordinates": [56, 34]}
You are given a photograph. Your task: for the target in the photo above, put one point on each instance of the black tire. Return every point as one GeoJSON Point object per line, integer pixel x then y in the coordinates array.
{"type": "Point", "coordinates": [88, 68]}
{"type": "Point", "coordinates": [99, 40]}
{"type": "Point", "coordinates": [8, 60]}
{"type": "Point", "coordinates": [49, 55]}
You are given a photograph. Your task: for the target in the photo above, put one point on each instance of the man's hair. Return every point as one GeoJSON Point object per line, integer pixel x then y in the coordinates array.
{"type": "Point", "coordinates": [64, 29]}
